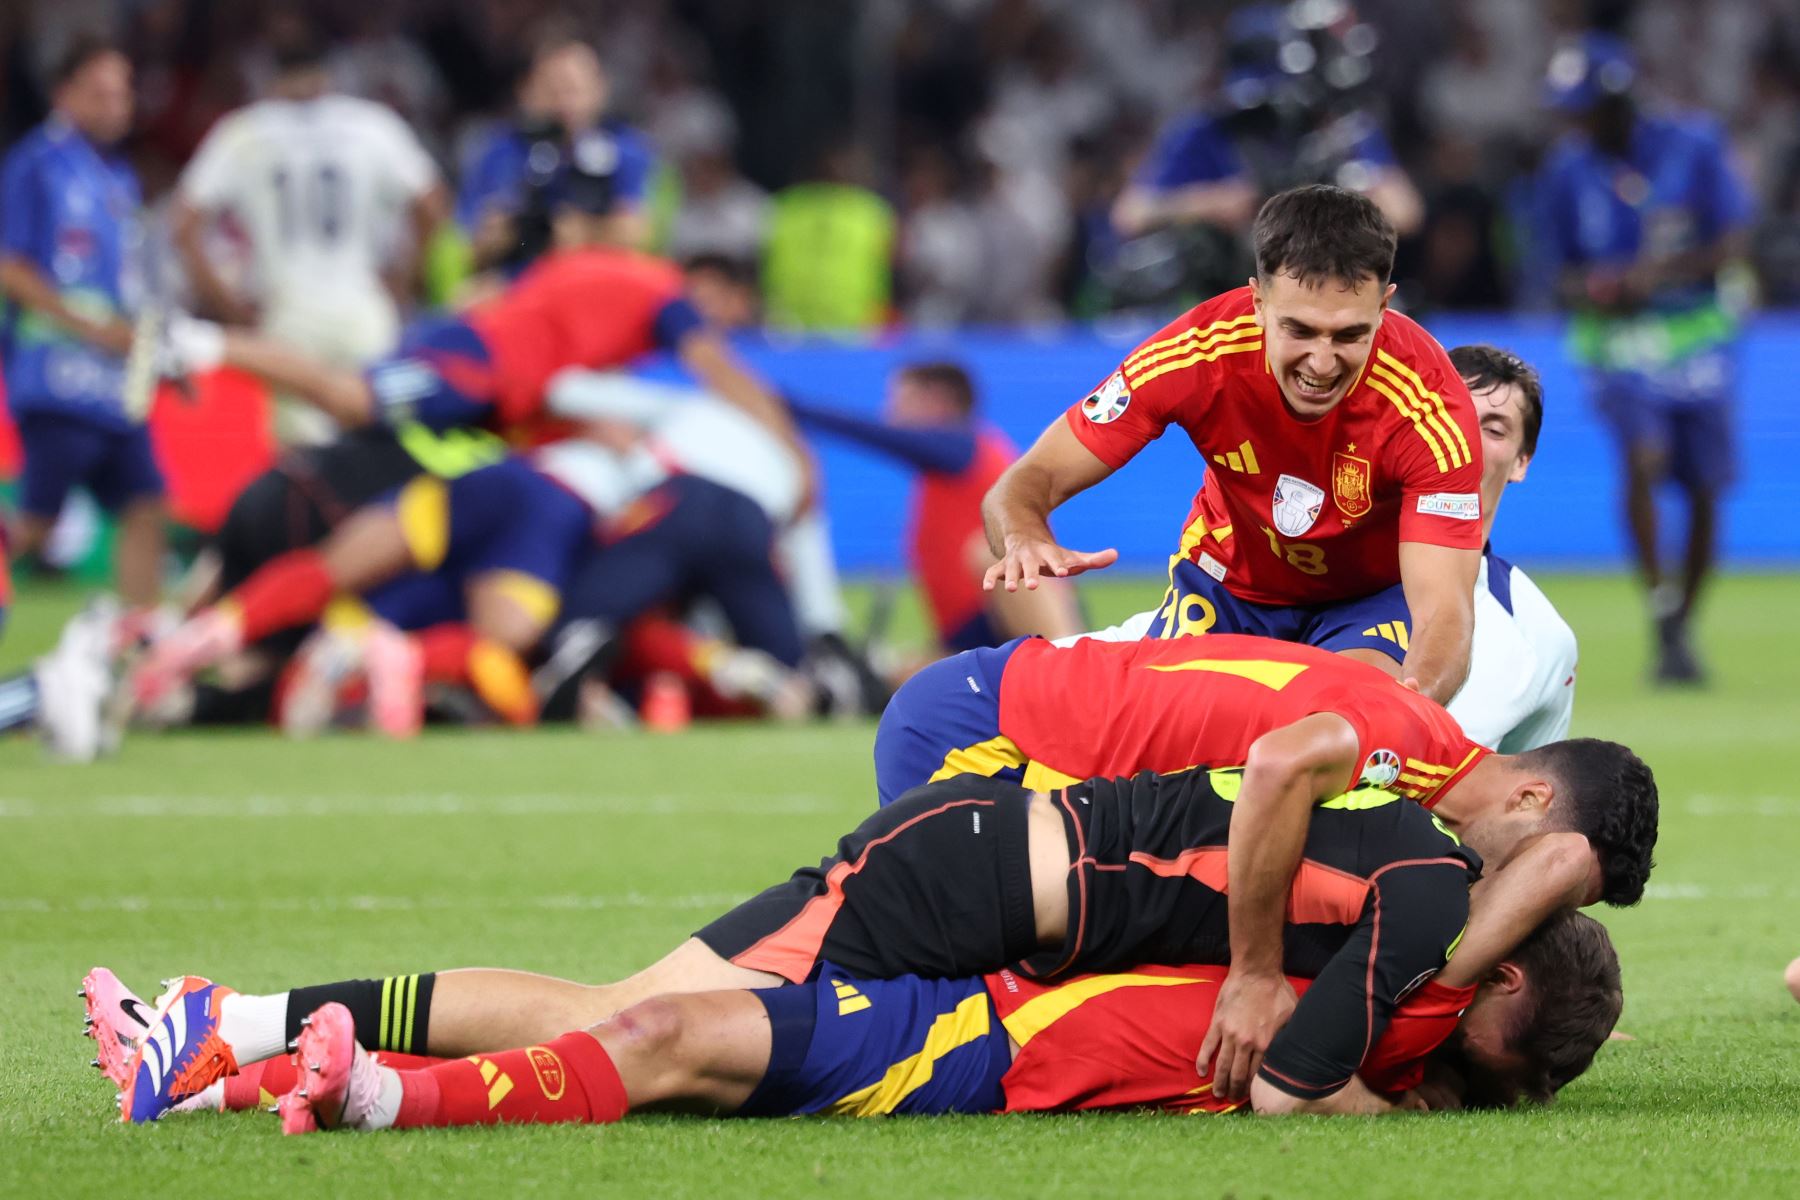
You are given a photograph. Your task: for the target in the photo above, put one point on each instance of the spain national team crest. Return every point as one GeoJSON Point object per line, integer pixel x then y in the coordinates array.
{"type": "Point", "coordinates": [1297, 505]}
{"type": "Point", "coordinates": [1350, 484]}
{"type": "Point", "coordinates": [549, 1071]}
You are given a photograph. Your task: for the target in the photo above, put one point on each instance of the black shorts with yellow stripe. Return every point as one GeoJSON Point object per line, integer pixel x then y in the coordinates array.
{"type": "Point", "coordinates": [867, 1048]}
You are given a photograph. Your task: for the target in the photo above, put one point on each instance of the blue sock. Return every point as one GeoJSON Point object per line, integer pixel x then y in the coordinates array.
{"type": "Point", "coordinates": [18, 701]}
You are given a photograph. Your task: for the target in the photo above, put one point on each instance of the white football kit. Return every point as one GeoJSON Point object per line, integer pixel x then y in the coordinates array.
{"type": "Point", "coordinates": [317, 190]}
{"type": "Point", "coordinates": [1520, 693]}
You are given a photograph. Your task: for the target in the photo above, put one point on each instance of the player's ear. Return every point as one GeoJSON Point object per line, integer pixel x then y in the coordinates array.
{"type": "Point", "coordinates": [1507, 978]}
{"type": "Point", "coordinates": [1388, 295]}
{"type": "Point", "coordinates": [1533, 794]}
{"type": "Point", "coordinates": [1520, 465]}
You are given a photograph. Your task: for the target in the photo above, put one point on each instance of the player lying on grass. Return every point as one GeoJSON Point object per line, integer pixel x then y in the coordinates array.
{"type": "Point", "coordinates": [998, 1043]}
{"type": "Point", "coordinates": [1306, 722]}
{"type": "Point", "coordinates": [970, 875]}
{"type": "Point", "coordinates": [481, 564]}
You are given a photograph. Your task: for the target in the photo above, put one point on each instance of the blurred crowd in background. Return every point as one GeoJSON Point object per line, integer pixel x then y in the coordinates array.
{"type": "Point", "coordinates": [948, 162]}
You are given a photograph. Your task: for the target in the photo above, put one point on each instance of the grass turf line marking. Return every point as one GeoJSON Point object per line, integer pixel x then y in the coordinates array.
{"type": "Point", "coordinates": [418, 805]}
{"type": "Point", "coordinates": [315, 904]}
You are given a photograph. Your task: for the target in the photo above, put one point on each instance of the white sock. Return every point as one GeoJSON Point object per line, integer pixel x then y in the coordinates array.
{"type": "Point", "coordinates": [255, 1027]}
{"type": "Point", "coordinates": [387, 1102]}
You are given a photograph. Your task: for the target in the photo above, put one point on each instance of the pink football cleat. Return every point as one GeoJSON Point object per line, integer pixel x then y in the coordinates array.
{"type": "Point", "coordinates": [196, 644]}
{"type": "Point", "coordinates": [339, 1082]}
{"type": "Point", "coordinates": [117, 1021]}
{"type": "Point", "coordinates": [396, 670]}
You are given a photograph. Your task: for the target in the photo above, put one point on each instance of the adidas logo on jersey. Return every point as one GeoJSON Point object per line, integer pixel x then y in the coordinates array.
{"type": "Point", "coordinates": [1243, 459]}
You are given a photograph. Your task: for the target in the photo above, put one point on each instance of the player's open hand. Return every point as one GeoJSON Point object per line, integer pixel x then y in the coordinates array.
{"type": "Point", "coordinates": [1026, 561]}
{"type": "Point", "coordinates": [1250, 1011]}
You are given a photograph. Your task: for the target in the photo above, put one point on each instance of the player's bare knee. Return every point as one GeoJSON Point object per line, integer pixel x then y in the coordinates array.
{"type": "Point", "coordinates": [650, 1029]}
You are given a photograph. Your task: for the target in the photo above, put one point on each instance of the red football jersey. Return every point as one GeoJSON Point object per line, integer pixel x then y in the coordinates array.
{"type": "Point", "coordinates": [593, 308]}
{"type": "Point", "coordinates": [946, 516]}
{"type": "Point", "coordinates": [1132, 1039]}
{"type": "Point", "coordinates": [1292, 511]}
{"type": "Point", "coordinates": [1115, 708]}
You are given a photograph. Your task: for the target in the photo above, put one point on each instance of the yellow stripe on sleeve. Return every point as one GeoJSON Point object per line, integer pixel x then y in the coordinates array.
{"type": "Point", "coordinates": [1436, 400]}
{"type": "Point", "coordinates": [1198, 357]}
{"type": "Point", "coordinates": [1144, 354]}
{"type": "Point", "coordinates": [1194, 339]}
{"type": "Point", "coordinates": [1437, 451]}
{"type": "Point", "coordinates": [1432, 417]}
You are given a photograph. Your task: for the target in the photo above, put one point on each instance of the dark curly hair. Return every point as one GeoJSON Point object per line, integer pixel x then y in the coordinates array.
{"type": "Point", "coordinates": [1607, 794]}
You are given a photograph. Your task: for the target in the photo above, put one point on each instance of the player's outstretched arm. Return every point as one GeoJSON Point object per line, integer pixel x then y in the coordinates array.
{"type": "Point", "coordinates": [706, 356]}
{"type": "Point", "coordinates": [1557, 871]}
{"type": "Point", "coordinates": [342, 395]}
{"type": "Point", "coordinates": [1017, 511]}
{"type": "Point", "coordinates": [1354, 1099]}
{"type": "Point", "coordinates": [1287, 771]}
{"type": "Point", "coordinates": [1439, 582]}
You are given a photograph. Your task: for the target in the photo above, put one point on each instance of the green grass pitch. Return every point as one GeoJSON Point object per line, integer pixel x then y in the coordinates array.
{"type": "Point", "coordinates": [265, 864]}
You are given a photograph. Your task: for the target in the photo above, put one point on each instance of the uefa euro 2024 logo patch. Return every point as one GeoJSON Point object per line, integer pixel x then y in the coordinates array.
{"type": "Point", "coordinates": [1297, 505]}
{"type": "Point", "coordinates": [1381, 769]}
{"type": "Point", "coordinates": [1109, 403]}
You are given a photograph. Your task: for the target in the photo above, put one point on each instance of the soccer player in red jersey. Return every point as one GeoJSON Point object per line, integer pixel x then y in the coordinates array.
{"type": "Point", "coordinates": [1002, 1042]}
{"type": "Point", "coordinates": [1339, 445]}
{"type": "Point", "coordinates": [593, 307]}
{"type": "Point", "coordinates": [1306, 723]}
{"type": "Point", "coordinates": [931, 425]}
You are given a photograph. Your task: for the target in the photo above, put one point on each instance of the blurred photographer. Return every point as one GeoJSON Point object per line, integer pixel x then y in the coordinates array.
{"type": "Point", "coordinates": [1294, 108]}
{"type": "Point", "coordinates": [512, 186]}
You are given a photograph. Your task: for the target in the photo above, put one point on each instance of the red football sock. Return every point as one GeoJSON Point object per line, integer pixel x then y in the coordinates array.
{"type": "Point", "coordinates": [456, 655]}
{"type": "Point", "coordinates": [572, 1079]}
{"type": "Point", "coordinates": [262, 1083]}
{"type": "Point", "coordinates": [446, 652]}
{"type": "Point", "coordinates": [284, 592]}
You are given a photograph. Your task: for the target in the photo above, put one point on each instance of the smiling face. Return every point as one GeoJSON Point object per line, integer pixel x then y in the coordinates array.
{"type": "Point", "coordinates": [1317, 337]}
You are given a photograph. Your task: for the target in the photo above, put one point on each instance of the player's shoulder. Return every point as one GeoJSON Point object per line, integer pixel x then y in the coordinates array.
{"type": "Point", "coordinates": [1215, 331]}
{"type": "Point", "coordinates": [1404, 342]}
{"type": "Point", "coordinates": [32, 149]}
{"type": "Point", "coordinates": [1692, 127]}
{"type": "Point", "coordinates": [1550, 635]}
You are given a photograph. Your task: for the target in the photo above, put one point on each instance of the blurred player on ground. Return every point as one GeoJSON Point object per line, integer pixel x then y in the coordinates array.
{"type": "Point", "coordinates": [931, 425]}
{"type": "Point", "coordinates": [334, 199]}
{"type": "Point", "coordinates": [70, 264]}
{"type": "Point", "coordinates": [1638, 212]}
{"type": "Point", "coordinates": [1339, 445]}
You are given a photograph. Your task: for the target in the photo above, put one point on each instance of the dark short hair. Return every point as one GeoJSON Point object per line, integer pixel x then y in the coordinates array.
{"type": "Point", "coordinates": [737, 271]}
{"type": "Point", "coordinates": [1320, 232]}
{"type": "Point", "coordinates": [1574, 996]}
{"type": "Point", "coordinates": [296, 41]}
{"type": "Point", "coordinates": [83, 49]}
{"type": "Point", "coordinates": [1483, 367]}
{"type": "Point", "coordinates": [1608, 795]}
{"type": "Point", "coordinates": [948, 376]}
